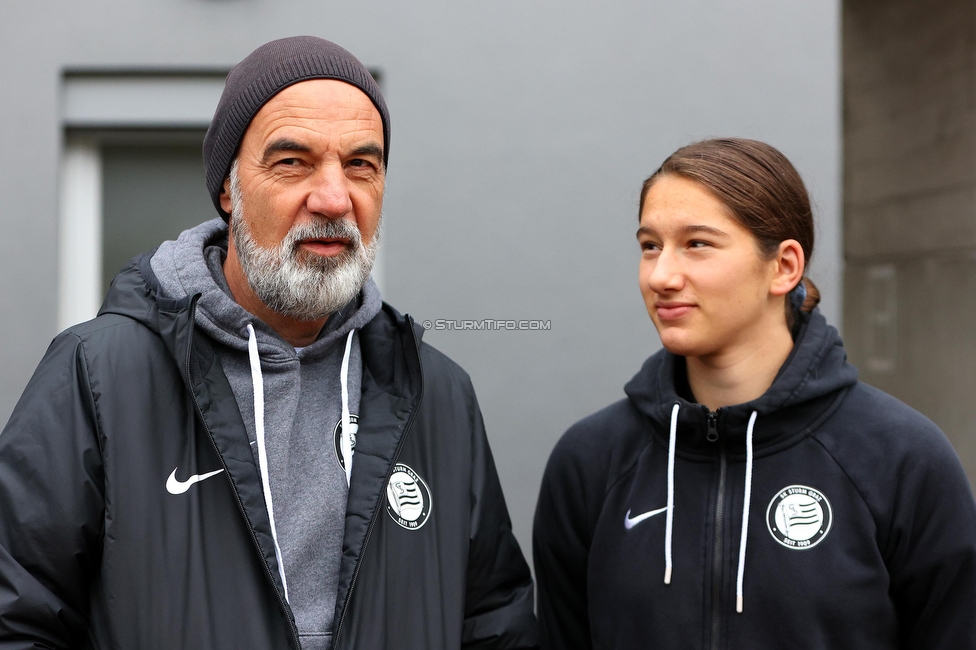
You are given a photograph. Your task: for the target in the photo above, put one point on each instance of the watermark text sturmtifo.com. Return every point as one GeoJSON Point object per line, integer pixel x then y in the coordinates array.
{"type": "Point", "coordinates": [489, 324]}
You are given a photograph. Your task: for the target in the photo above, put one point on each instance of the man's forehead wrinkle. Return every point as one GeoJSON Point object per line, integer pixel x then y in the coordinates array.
{"type": "Point", "coordinates": [364, 136]}
{"type": "Point", "coordinates": [298, 98]}
{"type": "Point", "coordinates": [305, 136]}
{"type": "Point", "coordinates": [325, 121]}
{"type": "Point", "coordinates": [320, 116]}
{"type": "Point", "coordinates": [318, 121]}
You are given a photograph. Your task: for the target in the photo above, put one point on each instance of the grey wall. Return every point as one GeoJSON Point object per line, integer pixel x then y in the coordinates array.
{"type": "Point", "coordinates": [521, 134]}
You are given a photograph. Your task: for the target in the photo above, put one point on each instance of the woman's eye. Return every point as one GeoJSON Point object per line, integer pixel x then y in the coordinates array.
{"type": "Point", "coordinates": [698, 244]}
{"type": "Point", "coordinates": [649, 246]}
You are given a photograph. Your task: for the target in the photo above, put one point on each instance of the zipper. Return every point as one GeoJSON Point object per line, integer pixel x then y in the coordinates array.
{"type": "Point", "coordinates": [240, 504]}
{"type": "Point", "coordinates": [379, 507]}
{"type": "Point", "coordinates": [713, 436]}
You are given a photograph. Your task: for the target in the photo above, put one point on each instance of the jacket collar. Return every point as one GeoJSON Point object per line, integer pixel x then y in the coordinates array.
{"type": "Point", "coordinates": [392, 392]}
{"type": "Point", "coordinates": [807, 384]}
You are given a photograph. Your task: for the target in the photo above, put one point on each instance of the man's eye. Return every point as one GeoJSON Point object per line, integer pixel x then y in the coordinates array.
{"type": "Point", "coordinates": [359, 162]}
{"type": "Point", "coordinates": [289, 162]}
{"type": "Point", "coordinates": [649, 246]}
{"type": "Point", "coordinates": [698, 244]}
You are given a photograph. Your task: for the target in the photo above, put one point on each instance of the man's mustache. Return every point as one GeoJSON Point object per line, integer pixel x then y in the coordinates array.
{"type": "Point", "coordinates": [323, 229]}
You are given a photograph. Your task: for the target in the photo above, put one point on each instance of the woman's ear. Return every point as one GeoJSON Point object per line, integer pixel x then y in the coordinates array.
{"type": "Point", "coordinates": [788, 267]}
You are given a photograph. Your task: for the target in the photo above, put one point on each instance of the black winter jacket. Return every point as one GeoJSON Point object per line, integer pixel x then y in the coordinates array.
{"type": "Point", "coordinates": [861, 529]}
{"type": "Point", "coordinates": [95, 552]}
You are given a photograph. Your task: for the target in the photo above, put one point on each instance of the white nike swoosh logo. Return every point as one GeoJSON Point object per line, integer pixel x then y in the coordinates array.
{"type": "Point", "coordinates": [630, 523]}
{"type": "Point", "coordinates": [174, 486]}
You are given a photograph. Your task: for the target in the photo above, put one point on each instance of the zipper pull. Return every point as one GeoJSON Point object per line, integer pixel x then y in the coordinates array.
{"type": "Point", "coordinates": [712, 435]}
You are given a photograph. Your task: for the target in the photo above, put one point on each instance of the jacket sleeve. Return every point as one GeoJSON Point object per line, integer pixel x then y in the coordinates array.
{"type": "Point", "coordinates": [51, 504]}
{"type": "Point", "coordinates": [560, 544]}
{"type": "Point", "coordinates": [931, 550]}
{"type": "Point", "coordinates": [498, 609]}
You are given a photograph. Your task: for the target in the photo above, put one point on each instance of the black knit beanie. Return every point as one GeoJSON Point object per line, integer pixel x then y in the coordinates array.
{"type": "Point", "coordinates": [265, 72]}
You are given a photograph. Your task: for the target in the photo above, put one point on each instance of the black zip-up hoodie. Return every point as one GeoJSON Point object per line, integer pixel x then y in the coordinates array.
{"type": "Point", "coordinates": [99, 550]}
{"type": "Point", "coordinates": [861, 526]}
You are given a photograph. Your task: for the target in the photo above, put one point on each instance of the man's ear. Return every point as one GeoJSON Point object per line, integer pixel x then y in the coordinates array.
{"type": "Point", "coordinates": [225, 196]}
{"type": "Point", "coordinates": [789, 265]}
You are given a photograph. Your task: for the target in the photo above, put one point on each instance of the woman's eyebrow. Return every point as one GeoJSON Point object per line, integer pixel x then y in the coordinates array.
{"type": "Point", "coordinates": [711, 230]}
{"type": "Point", "coordinates": [686, 230]}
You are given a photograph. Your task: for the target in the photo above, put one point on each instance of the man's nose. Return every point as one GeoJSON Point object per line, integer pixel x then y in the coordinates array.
{"type": "Point", "coordinates": [329, 193]}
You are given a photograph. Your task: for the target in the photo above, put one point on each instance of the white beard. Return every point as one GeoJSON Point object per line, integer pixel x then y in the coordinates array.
{"type": "Point", "coordinates": [303, 287]}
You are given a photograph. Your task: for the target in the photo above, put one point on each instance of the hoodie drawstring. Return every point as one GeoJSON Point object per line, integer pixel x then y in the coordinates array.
{"type": "Point", "coordinates": [257, 382]}
{"type": "Point", "coordinates": [346, 442]}
{"type": "Point", "coordinates": [670, 511]}
{"type": "Point", "coordinates": [746, 503]}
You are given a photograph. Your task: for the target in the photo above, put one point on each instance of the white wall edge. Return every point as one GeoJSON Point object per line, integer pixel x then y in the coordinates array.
{"type": "Point", "coordinates": [80, 233]}
{"type": "Point", "coordinates": [140, 101]}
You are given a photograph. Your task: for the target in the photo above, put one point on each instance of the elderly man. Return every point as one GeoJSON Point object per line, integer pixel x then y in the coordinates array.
{"type": "Point", "coordinates": [247, 448]}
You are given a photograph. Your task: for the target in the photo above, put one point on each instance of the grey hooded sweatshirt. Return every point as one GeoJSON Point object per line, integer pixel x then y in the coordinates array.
{"type": "Point", "coordinates": [302, 415]}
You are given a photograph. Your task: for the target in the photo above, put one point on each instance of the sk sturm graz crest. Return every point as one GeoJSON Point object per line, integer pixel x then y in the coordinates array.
{"type": "Point", "coordinates": [408, 498]}
{"type": "Point", "coordinates": [799, 517]}
{"type": "Point", "coordinates": [337, 437]}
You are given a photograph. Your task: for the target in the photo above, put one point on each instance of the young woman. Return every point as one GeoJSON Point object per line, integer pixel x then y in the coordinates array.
{"type": "Point", "coordinates": [749, 492]}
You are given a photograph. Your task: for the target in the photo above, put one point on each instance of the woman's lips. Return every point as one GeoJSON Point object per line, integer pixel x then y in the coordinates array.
{"type": "Point", "coordinates": [673, 310]}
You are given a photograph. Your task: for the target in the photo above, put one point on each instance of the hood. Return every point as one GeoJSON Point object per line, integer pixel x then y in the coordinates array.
{"type": "Point", "coordinates": [193, 264]}
{"type": "Point", "coordinates": [806, 385]}
{"type": "Point", "coordinates": [136, 293]}
{"type": "Point", "coordinates": [181, 287]}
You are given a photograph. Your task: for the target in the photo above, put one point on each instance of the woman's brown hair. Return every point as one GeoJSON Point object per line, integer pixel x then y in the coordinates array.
{"type": "Point", "coordinates": [761, 189]}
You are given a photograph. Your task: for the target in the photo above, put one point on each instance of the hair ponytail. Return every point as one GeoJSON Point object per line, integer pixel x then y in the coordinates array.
{"type": "Point", "coordinates": [801, 299]}
{"type": "Point", "coordinates": [813, 296]}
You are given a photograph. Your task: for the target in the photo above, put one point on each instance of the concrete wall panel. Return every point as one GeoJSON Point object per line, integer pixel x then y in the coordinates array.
{"type": "Point", "coordinates": [934, 368]}
{"type": "Point", "coordinates": [910, 204]}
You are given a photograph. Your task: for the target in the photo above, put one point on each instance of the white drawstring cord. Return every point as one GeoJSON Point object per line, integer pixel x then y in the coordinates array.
{"type": "Point", "coordinates": [670, 511]}
{"type": "Point", "coordinates": [346, 441]}
{"type": "Point", "coordinates": [746, 502]}
{"type": "Point", "coordinates": [257, 382]}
